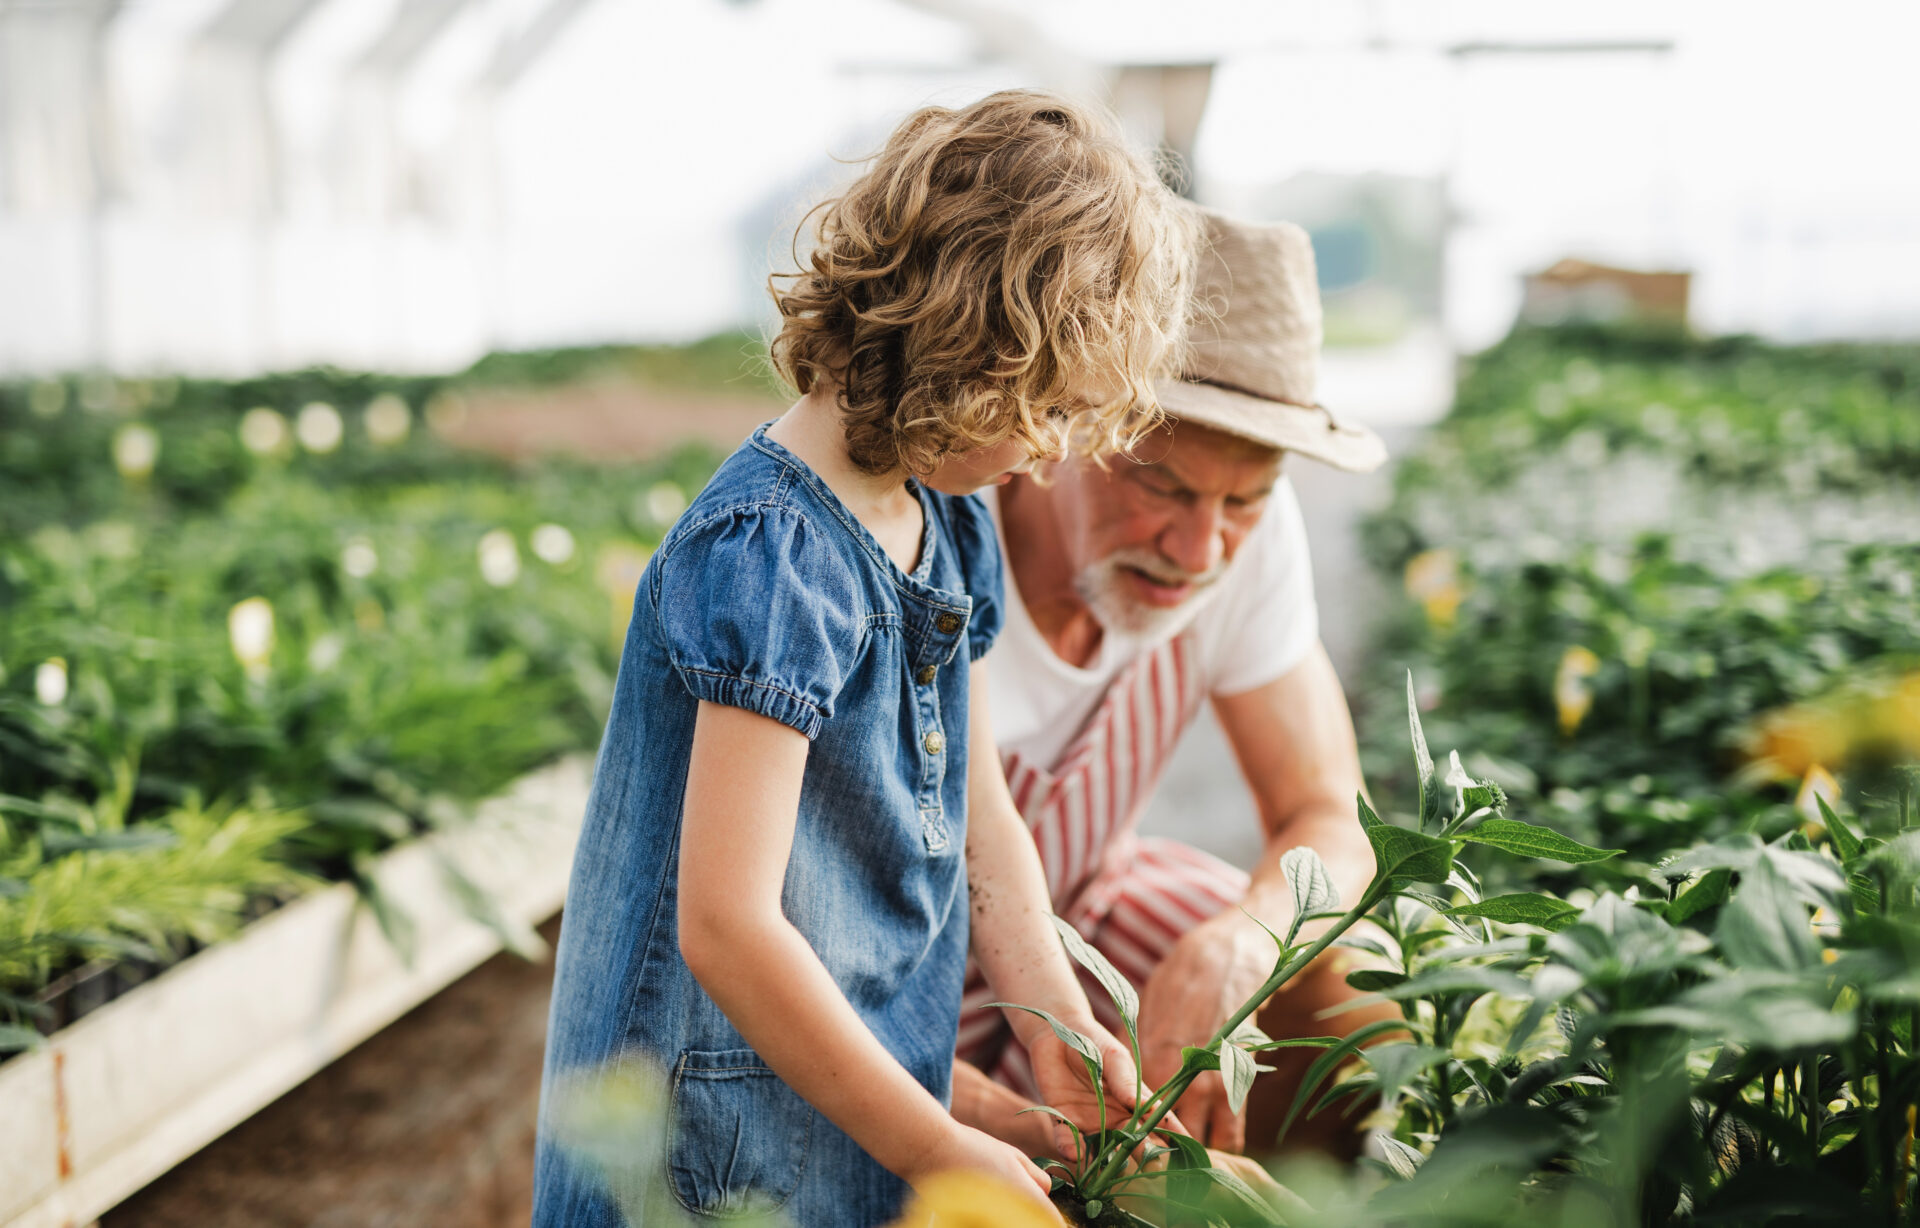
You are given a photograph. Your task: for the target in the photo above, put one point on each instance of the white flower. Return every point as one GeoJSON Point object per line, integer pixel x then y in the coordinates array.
{"type": "Point", "coordinates": [325, 653]}
{"type": "Point", "coordinates": [553, 543]}
{"type": "Point", "coordinates": [499, 558]}
{"type": "Point", "coordinates": [262, 431]}
{"type": "Point", "coordinates": [319, 427]}
{"type": "Point", "coordinates": [250, 630]}
{"type": "Point", "coordinates": [136, 446]}
{"type": "Point", "coordinates": [48, 398]}
{"type": "Point", "coordinates": [114, 538]}
{"type": "Point", "coordinates": [665, 501]}
{"type": "Point", "coordinates": [98, 392]}
{"type": "Point", "coordinates": [50, 682]}
{"type": "Point", "coordinates": [359, 559]}
{"type": "Point", "coordinates": [388, 419]}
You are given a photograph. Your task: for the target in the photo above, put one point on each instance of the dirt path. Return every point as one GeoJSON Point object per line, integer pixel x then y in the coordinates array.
{"type": "Point", "coordinates": [428, 1124]}
{"type": "Point", "coordinates": [604, 420]}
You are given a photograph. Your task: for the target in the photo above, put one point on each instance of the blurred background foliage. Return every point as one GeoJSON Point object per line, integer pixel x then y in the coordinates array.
{"type": "Point", "coordinates": [1626, 551]}
{"type": "Point", "coordinates": [258, 631]}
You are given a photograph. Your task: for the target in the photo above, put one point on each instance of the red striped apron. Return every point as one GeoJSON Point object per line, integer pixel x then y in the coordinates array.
{"type": "Point", "coordinates": [1132, 898]}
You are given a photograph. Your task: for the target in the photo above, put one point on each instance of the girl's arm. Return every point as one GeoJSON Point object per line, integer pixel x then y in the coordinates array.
{"type": "Point", "coordinates": [1015, 943]}
{"type": "Point", "coordinates": [742, 800]}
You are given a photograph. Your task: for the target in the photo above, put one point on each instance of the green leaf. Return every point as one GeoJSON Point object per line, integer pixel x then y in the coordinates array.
{"type": "Point", "coordinates": [1709, 892]}
{"type": "Point", "coordinates": [1401, 856]}
{"type": "Point", "coordinates": [1360, 942]}
{"type": "Point", "coordinates": [1312, 886]}
{"type": "Point", "coordinates": [1295, 1042]}
{"type": "Point", "coordinates": [1329, 1061]}
{"type": "Point", "coordinates": [1117, 986]}
{"type": "Point", "coordinates": [1079, 1139]}
{"type": "Point", "coordinates": [1521, 908]}
{"type": "Point", "coordinates": [1529, 840]}
{"type": "Point", "coordinates": [1451, 979]}
{"type": "Point", "coordinates": [1076, 1041]}
{"type": "Point", "coordinates": [1373, 980]}
{"type": "Point", "coordinates": [1405, 1161]}
{"type": "Point", "coordinates": [1815, 878]}
{"type": "Point", "coordinates": [1236, 1071]}
{"type": "Point", "coordinates": [1765, 924]}
{"type": "Point", "coordinates": [1198, 1058]}
{"type": "Point", "coordinates": [514, 934]}
{"type": "Point", "coordinates": [1845, 842]}
{"type": "Point", "coordinates": [1396, 1064]}
{"type": "Point", "coordinates": [1864, 891]}
{"type": "Point", "coordinates": [60, 841]}
{"type": "Point", "coordinates": [1429, 796]}
{"type": "Point", "coordinates": [13, 1036]}
{"type": "Point", "coordinates": [395, 922]}
{"type": "Point", "coordinates": [1249, 1036]}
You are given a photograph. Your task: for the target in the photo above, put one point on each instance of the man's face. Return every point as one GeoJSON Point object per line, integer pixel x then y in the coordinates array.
{"type": "Point", "coordinates": [1146, 537]}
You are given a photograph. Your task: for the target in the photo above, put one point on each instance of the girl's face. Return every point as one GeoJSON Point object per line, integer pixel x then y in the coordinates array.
{"type": "Point", "coordinates": [992, 465]}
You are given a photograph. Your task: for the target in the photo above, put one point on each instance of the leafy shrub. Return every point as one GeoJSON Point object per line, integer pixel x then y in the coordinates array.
{"type": "Point", "coordinates": [326, 621]}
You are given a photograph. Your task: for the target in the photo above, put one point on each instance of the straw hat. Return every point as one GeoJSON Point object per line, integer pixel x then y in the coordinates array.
{"type": "Point", "coordinates": [1256, 347]}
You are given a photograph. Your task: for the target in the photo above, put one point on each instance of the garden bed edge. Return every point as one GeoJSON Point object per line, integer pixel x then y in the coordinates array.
{"type": "Point", "coordinates": [114, 1100]}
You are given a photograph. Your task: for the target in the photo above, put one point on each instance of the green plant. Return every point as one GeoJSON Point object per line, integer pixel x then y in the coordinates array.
{"type": "Point", "coordinates": [1118, 1163]}
{"type": "Point", "coordinates": [352, 639]}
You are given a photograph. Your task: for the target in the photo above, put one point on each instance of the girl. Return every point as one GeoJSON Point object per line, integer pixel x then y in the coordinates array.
{"type": "Point", "coordinates": [797, 819]}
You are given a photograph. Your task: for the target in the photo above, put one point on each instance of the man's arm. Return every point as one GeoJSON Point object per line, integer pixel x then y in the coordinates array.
{"type": "Point", "coordinates": [1295, 744]}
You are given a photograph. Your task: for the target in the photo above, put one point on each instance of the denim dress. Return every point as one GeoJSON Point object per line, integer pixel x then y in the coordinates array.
{"type": "Point", "coordinates": [769, 595]}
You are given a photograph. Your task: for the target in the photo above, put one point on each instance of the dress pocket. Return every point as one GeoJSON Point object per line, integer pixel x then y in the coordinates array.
{"type": "Point", "coordinates": [740, 1135]}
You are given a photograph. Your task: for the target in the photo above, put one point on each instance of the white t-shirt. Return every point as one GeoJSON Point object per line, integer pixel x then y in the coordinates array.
{"type": "Point", "coordinates": [1257, 623]}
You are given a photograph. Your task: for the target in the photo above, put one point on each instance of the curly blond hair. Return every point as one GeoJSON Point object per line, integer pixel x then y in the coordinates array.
{"type": "Point", "coordinates": [1009, 269]}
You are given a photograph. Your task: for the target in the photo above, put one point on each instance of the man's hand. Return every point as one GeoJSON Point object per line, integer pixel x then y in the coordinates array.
{"type": "Point", "coordinates": [1062, 1076]}
{"type": "Point", "coordinates": [1218, 965]}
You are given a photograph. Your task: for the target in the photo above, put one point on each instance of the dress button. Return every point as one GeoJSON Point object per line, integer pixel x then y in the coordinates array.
{"type": "Point", "coordinates": [948, 623]}
{"type": "Point", "coordinates": [925, 676]}
{"type": "Point", "coordinates": [935, 743]}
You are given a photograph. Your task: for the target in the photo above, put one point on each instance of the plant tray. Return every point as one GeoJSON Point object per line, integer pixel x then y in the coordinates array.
{"type": "Point", "coordinates": [137, 1085]}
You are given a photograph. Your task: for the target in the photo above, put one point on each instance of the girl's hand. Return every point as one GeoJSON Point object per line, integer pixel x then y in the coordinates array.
{"type": "Point", "coordinates": [965, 1149]}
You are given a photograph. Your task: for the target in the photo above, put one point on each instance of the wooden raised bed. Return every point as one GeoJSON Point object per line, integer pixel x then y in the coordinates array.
{"type": "Point", "coordinates": [129, 1090]}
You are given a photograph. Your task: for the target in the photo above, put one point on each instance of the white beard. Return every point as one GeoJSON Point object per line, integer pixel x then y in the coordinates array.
{"type": "Point", "coordinates": [1109, 594]}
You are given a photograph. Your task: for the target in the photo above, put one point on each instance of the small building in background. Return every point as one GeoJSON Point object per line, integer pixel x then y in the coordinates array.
{"type": "Point", "coordinates": [1581, 292]}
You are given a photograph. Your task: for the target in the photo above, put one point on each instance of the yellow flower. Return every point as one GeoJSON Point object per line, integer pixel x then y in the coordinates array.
{"type": "Point", "coordinates": [1571, 694]}
{"type": "Point", "coordinates": [617, 569]}
{"type": "Point", "coordinates": [1433, 579]}
{"type": "Point", "coordinates": [1817, 784]}
{"type": "Point", "coordinates": [973, 1200]}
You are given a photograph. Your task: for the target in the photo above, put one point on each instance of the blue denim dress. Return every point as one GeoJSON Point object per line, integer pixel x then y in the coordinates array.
{"type": "Point", "coordinates": [769, 595]}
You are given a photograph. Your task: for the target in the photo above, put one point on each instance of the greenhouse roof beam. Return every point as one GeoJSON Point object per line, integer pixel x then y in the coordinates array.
{"type": "Point", "coordinates": [261, 25]}
{"type": "Point", "coordinates": [415, 26]}
{"type": "Point", "coordinates": [525, 49]}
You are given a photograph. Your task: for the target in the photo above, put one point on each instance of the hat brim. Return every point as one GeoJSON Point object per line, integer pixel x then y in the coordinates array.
{"type": "Point", "coordinates": [1310, 432]}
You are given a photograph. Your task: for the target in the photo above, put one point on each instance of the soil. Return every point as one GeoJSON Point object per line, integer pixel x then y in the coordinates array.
{"type": "Point", "coordinates": [1110, 1216]}
{"type": "Point", "coordinates": [429, 1123]}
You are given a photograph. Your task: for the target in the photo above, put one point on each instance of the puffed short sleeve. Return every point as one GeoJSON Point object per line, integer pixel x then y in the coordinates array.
{"type": "Point", "coordinates": [978, 546]}
{"type": "Point", "coordinates": [759, 611]}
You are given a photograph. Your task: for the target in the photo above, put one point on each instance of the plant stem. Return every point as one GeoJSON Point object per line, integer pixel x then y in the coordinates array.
{"type": "Point", "coordinates": [1162, 1101]}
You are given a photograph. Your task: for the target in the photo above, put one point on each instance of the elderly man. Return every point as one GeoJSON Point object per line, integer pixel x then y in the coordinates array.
{"type": "Point", "coordinates": [1139, 590]}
